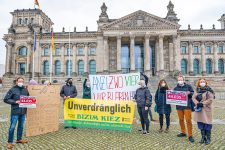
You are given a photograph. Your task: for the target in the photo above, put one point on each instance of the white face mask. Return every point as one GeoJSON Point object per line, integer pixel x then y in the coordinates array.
{"type": "Point", "coordinates": [20, 84]}
{"type": "Point", "coordinates": [180, 82]}
{"type": "Point", "coordinates": [202, 84]}
{"type": "Point", "coordinates": [163, 85]}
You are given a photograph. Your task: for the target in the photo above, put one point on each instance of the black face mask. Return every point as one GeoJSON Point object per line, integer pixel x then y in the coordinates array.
{"type": "Point", "coordinates": [70, 82]}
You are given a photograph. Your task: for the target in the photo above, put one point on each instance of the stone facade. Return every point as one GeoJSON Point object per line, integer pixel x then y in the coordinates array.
{"type": "Point", "coordinates": [169, 46]}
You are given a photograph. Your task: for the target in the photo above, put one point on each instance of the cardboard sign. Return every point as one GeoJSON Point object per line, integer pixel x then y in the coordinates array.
{"type": "Point", "coordinates": [176, 97]}
{"type": "Point", "coordinates": [45, 118]}
{"type": "Point", "coordinates": [114, 87]}
{"type": "Point", "coordinates": [27, 102]}
{"type": "Point", "coordinates": [112, 115]}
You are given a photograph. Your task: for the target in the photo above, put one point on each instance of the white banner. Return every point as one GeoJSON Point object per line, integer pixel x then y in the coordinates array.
{"type": "Point", "coordinates": [114, 87]}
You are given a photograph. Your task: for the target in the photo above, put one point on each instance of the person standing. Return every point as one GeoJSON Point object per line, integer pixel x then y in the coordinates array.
{"type": "Point", "coordinates": [162, 107]}
{"type": "Point", "coordinates": [68, 91]}
{"type": "Point", "coordinates": [17, 114]}
{"type": "Point", "coordinates": [86, 89]}
{"type": "Point", "coordinates": [144, 101]}
{"type": "Point", "coordinates": [203, 99]}
{"type": "Point", "coordinates": [185, 111]}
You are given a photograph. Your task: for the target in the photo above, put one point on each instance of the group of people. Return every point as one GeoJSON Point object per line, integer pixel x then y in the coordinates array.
{"type": "Point", "coordinates": [199, 101]}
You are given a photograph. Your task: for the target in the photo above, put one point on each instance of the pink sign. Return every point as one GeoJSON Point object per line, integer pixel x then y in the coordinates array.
{"type": "Point", "coordinates": [176, 98]}
{"type": "Point", "coordinates": [27, 102]}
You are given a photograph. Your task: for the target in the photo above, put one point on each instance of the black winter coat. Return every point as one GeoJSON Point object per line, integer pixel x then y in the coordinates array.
{"type": "Point", "coordinates": [160, 100]}
{"type": "Point", "coordinates": [68, 90]}
{"type": "Point", "coordinates": [12, 96]}
{"type": "Point", "coordinates": [143, 97]}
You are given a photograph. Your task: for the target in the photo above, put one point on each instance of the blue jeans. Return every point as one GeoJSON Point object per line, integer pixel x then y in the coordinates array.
{"type": "Point", "coordinates": [14, 119]}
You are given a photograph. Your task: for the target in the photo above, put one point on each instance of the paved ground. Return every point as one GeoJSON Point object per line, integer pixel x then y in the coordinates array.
{"type": "Point", "coordinates": [87, 139]}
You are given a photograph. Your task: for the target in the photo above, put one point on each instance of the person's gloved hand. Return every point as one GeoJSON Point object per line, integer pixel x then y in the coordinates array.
{"type": "Point", "coordinates": [199, 105]}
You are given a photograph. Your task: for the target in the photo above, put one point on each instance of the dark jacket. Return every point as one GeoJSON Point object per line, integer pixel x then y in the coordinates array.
{"type": "Point", "coordinates": [160, 100]}
{"type": "Point", "coordinates": [68, 90]}
{"type": "Point", "coordinates": [12, 96]}
{"type": "Point", "coordinates": [143, 97]}
{"type": "Point", "coordinates": [86, 91]}
{"type": "Point", "coordinates": [185, 87]}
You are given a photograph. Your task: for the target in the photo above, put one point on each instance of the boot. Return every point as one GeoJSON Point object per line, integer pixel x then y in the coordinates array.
{"type": "Point", "coordinates": [208, 137]}
{"type": "Point", "coordinates": [203, 137]}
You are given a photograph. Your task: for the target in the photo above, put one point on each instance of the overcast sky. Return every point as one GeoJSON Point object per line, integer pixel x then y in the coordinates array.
{"type": "Point", "coordinates": [82, 13]}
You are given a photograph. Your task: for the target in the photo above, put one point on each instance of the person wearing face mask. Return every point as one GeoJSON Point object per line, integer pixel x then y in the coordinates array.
{"type": "Point", "coordinates": [17, 114]}
{"type": "Point", "coordinates": [203, 99]}
{"type": "Point", "coordinates": [143, 98]}
{"type": "Point", "coordinates": [185, 111]}
{"type": "Point", "coordinates": [162, 107]}
{"type": "Point", "coordinates": [86, 89]}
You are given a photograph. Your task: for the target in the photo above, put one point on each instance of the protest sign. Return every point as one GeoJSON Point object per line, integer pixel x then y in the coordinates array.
{"type": "Point", "coordinates": [45, 117]}
{"type": "Point", "coordinates": [114, 87]}
{"type": "Point", "coordinates": [176, 98]}
{"type": "Point", "coordinates": [27, 102]}
{"type": "Point", "coordinates": [100, 114]}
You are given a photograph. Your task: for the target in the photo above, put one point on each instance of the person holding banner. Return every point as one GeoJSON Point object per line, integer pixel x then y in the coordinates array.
{"type": "Point", "coordinates": [144, 101]}
{"type": "Point", "coordinates": [203, 99]}
{"type": "Point", "coordinates": [162, 107]}
{"type": "Point", "coordinates": [86, 89]}
{"type": "Point", "coordinates": [185, 111]}
{"type": "Point", "coordinates": [17, 114]}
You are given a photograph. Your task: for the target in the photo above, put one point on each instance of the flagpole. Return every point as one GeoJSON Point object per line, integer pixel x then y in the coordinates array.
{"type": "Point", "coordinates": [34, 47]}
{"type": "Point", "coordinates": [52, 48]}
{"type": "Point", "coordinates": [69, 54]}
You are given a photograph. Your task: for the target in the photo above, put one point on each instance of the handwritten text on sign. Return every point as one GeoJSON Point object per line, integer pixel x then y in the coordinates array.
{"type": "Point", "coordinates": [114, 87]}
{"type": "Point", "coordinates": [176, 98]}
{"type": "Point", "coordinates": [27, 102]}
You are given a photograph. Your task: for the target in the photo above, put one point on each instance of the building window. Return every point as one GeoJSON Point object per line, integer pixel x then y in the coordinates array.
{"type": "Point", "coordinates": [46, 67]}
{"type": "Point", "coordinates": [208, 66]}
{"type": "Point", "coordinates": [20, 21]}
{"type": "Point", "coordinates": [208, 49]}
{"type": "Point", "coordinates": [139, 58]}
{"type": "Point", "coordinates": [69, 67]}
{"type": "Point", "coordinates": [26, 21]}
{"type": "Point", "coordinates": [23, 51]}
{"type": "Point", "coordinates": [80, 67]}
{"type": "Point", "coordinates": [125, 59]}
{"type": "Point", "coordinates": [220, 49]}
{"type": "Point", "coordinates": [196, 49]}
{"type": "Point", "coordinates": [46, 51]}
{"type": "Point", "coordinates": [184, 66]}
{"type": "Point", "coordinates": [80, 51]}
{"type": "Point", "coordinates": [92, 67]}
{"type": "Point", "coordinates": [183, 50]}
{"type": "Point", "coordinates": [57, 51]}
{"type": "Point", "coordinates": [57, 67]}
{"type": "Point", "coordinates": [32, 20]}
{"type": "Point", "coordinates": [196, 66]}
{"type": "Point", "coordinates": [22, 68]}
{"type": "Point", "coordinates": [68, 51]}
{"type": "Point", "coordinates": [92, 51]}
{"type": "Point", "coordinates": [221, 66]}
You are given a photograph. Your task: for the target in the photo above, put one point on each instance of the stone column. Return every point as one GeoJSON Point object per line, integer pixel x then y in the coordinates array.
{"type": "Point", "coordinates": [132, 53]}
{"type": "Point", "coordinates": [171, 58]}
{"type": "Point", "coordinates": [190, 58]}
{"type": "Point", "coordinates": [147, 65]}
{"type": "Point", "coordinates": [106, 55]}
{"type": "Point", "coordinates": [29, 49]}
{"type": "Point", "coordinates": [203, 59]}
{"type": "Point", "coordinates": [9, 47]}
{"type": "Point", "coordinates": [63, 60]}
{"type": "Point", "coordinates": [157, 57]}
{"type": "Point", "coordinates": [74, 61]}
{"type": "Point", "coordinates": [161, 55]}
{"type": "Point", "coordinates": [118, 53]}
{"type": "Point", "coordinates": [176, 52]}
{"type": "Point", "coordinates": [86, 58]}
{"type": "Point", "coordinates": [215, 57]}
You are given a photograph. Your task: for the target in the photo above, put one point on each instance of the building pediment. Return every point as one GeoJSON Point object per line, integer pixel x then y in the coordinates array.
{"type": "Point", "coordinates": [140, 20]}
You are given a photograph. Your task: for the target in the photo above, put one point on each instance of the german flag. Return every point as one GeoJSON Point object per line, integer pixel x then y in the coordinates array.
{"type": "Point", "coordinates": [53, 44]}
{"type": "Point", "coordinates": [37, 3]}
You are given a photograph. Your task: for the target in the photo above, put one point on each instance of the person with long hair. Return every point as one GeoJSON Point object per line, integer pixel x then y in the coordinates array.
{"type": "Point", "coordinates": [203, 99]}
{"type": "Point", "coordinates": [162, 107]}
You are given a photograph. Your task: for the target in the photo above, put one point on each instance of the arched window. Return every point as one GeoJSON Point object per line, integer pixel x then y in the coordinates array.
{"type": "Point", "coordinates": [80, 67]}
{"type": "Point", "coordinates": [221, 66]}
{"type": "Point", "coordinates": [46, 67]}
{"type": "Point", "coordinates": [184, 66]}
{"type": "Point", "coordinates": [20, 21]}
{"type": "Point", "coordinates": [92, 67]}
{"type": "Point", "coordinates": [125, 59]}
{"type": "Point", "coordinates": [208, 66]}
{"type": "Point", "coordinates": [196, 66]}
{"type": "Point", "coordinates": [26, 21]}
{"type": "Point", "coordinates": [69, 67]}
{"type": "Point", "coordinates": [32, 20]}
{"type": "Point", "coordinates": [57, 67]}
{"type": "Point", "coordinates": [23, 51]}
